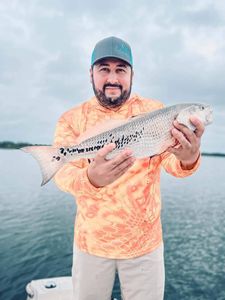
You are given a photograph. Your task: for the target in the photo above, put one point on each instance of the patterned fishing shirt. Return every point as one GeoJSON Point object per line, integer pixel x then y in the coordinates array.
{"type": "Point", "coordinates": [122, 219]}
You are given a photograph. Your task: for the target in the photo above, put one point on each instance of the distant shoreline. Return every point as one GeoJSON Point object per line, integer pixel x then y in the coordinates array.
{"type": "Point", "coordinates": [213, 154]}
{"type": "Point", "coordinates": [11, 145]}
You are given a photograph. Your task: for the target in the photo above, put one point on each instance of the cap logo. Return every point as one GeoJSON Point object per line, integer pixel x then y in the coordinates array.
{"type": "Point", "coordinates": [112, 47]}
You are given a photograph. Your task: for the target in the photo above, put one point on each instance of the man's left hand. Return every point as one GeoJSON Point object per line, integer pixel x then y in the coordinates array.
{"type": "Point", "coordinates": [187, 148]}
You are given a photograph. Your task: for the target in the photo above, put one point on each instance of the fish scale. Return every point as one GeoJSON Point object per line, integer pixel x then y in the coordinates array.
{"type": "Point", "coordinates": [146, 135]}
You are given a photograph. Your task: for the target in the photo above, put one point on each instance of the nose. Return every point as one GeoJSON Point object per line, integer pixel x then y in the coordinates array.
{"type": "Point", "coordinates": [112, 78]}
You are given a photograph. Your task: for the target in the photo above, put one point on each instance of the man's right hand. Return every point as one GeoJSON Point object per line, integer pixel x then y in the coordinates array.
{"type": "Point", "coordinates": [102, 172]}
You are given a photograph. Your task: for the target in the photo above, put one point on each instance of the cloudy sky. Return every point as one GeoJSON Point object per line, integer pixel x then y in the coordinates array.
{"type": "Point", "coordinates": [45, 48]}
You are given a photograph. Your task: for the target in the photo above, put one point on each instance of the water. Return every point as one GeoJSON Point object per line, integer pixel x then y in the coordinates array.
{"type": "Point", "coordinates": [36, 232]}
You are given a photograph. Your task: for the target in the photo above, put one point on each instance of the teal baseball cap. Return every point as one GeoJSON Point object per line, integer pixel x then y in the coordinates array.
{"type": "Point", "coordinates": [112, 47]}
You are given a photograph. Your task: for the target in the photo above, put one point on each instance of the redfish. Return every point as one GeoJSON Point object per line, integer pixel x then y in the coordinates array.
{"type": "Point", "coordinates": [146, 135]}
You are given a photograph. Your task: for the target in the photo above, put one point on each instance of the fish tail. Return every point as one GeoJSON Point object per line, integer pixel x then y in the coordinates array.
{"type": "Point", "coordinates": [45, 157]}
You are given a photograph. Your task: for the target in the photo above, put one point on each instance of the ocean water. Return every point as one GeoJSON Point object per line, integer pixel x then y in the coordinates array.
{"type": "Point", "coordinates": [36, 230]}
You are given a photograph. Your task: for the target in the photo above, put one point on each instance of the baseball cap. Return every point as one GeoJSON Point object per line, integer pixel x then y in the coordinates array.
{"type": "Point", "coordinates": [112, 47]}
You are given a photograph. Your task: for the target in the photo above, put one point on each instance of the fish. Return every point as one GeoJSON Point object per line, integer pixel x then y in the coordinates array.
{"type": "Point", "coordinates": [147, 135]}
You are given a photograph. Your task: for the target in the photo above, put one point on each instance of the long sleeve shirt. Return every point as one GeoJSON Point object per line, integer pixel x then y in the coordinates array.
{"type": "Point", "coordinates": [122, 219]}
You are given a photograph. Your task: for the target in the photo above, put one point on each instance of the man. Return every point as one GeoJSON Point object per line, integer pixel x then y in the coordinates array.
{"type": "Point", "coordinates": [118, 223]}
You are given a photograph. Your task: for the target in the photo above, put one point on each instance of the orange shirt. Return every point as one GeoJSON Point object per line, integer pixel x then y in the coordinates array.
{"type": "Point", "coordinates": [122, 219]}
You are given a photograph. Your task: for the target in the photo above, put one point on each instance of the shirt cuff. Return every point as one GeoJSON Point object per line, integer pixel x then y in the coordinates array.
{"type": "Point", "coordinates": [86, 185]}
{"type": "Point", "coordinates": [193, 168]}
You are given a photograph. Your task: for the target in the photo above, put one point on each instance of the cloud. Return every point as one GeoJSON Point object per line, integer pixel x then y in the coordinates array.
{"type": "Point", "coordinates": [46, 46]}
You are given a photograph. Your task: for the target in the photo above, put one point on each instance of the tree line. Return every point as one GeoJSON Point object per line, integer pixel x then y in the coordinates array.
{"type": "Point", "coordinates": [12, 145]}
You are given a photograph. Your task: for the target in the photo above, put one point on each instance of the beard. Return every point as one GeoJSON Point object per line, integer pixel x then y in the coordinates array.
{"type": "Point", "coordinates": [111, 102]}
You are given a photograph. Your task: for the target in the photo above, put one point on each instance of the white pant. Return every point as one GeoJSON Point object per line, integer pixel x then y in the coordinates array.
{"type": "Point", "coordinates": [141, 278]}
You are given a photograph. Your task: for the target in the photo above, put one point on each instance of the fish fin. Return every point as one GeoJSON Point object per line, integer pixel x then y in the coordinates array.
{"type": "Point", "coordinates": [100, 128]}
{"type": "Point", "coordinates": [138, 116]}
{"type": "Point", "coordinates": [44, 156]}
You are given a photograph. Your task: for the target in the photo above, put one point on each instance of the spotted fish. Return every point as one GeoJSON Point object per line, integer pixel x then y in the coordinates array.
{"type": "Point", "coordinates": [146, 135]}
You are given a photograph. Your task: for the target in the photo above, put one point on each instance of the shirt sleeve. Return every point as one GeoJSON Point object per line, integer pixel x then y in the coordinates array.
{"type": "Point", "coordinates": [72, 177]}
{"type": "Point", "coordinates": [173, 166]}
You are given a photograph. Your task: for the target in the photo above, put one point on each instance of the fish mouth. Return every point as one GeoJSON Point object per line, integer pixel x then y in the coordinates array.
{"type": "Point", "coordinates": [209, 117]}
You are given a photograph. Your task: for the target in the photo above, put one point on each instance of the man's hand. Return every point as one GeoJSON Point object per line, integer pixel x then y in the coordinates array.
{"type": "Point", "coordinates": [102, 172]}
{"type": "Point", "coordinates": [187, 150]}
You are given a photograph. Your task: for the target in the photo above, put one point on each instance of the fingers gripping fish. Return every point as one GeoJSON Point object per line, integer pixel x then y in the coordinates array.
{"type": "Point", "coordinates": [146, 135]}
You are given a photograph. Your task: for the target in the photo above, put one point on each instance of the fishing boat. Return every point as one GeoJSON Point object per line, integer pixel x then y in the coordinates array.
{"type": "Point", "coordinates": [56, 288]}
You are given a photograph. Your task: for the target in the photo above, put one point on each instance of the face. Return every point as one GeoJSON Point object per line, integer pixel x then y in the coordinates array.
{"type": "Point", "coordinates": [111, 80]}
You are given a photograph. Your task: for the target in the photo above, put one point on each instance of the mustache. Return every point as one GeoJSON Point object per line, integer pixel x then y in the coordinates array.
{"type": "Point", "coordinates": [112, 85]}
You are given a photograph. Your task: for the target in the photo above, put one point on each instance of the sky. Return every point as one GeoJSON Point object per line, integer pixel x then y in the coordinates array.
{"type": "Point", "coordinates": [45, 49]}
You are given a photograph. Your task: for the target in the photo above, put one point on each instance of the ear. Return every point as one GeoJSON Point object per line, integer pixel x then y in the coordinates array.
{"type": "Point", "coordinates": [91, 74]}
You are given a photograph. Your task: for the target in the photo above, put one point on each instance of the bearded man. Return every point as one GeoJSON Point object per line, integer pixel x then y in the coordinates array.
{"type": "Point", "coordinates": [118, 225]}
